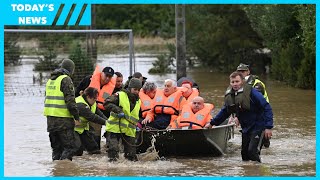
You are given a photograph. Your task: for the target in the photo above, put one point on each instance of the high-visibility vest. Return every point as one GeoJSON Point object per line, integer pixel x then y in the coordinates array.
{"type": "Point", "coordinates": [127, 124]}
{"type": "Point", "coordinates": [194, 121]}
{"type": "Point", "coordinates": [84, 123]}
{"type": "Point", "coordinates": [106, 90]}
{"type": "Point", "coordinates": [253, 80]}
{"type": "Point", "coordinates": [55, 104]}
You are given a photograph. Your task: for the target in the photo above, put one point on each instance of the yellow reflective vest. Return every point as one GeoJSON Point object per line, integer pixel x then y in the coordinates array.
{"type": "Point", "coordinates": [84, 123]}
{"type": "Point", "coordinates": [126, 125]}
{"type": "Point", "coordinates": [55, 104]}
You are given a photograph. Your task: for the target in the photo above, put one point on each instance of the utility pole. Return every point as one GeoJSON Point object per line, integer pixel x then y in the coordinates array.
{"type": "Point", "coordinates": [180, 40]}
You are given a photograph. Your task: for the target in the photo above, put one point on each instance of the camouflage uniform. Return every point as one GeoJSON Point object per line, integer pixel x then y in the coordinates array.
{"type": "Point", "coordinates": [61, 129]}
{"type": "Point", "coordinates": [111, 104]}
{"type": "Point", "coordinates": [87, 138]}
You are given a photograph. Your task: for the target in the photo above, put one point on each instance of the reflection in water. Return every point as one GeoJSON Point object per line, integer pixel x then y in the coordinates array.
{"type": "Point", "coordinates": [27, 149]}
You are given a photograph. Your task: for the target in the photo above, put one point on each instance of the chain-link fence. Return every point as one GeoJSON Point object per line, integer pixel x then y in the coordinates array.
{"type": "Point", "coordinates": [31, 55]}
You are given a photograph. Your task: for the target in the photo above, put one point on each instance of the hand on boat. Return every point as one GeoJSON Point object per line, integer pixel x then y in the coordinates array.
{"type": "Point", "coordinates": [208, 126]}
{"type": "Point", "coordinates": [268, 133]}
{"type": "Point", "coordinates": [234, 120]}
{"type": "Point", "coordinates": [145, 121]}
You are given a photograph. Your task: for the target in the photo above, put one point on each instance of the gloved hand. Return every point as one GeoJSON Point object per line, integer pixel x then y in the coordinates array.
{"type": "Point", "coordinates": [121, 115]}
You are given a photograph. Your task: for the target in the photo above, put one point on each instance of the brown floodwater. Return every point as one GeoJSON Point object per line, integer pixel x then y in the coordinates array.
{"type": "Point", "coordinates": [27, 149]}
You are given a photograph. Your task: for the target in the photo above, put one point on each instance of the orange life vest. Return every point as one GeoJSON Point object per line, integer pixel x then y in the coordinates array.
{"type": "Point", "coordinates": [194, 94]}
{"type": "Point", "coordinates": [104, 91]}
{"type": "Point", "coordinates": [146, 103]}
{"type": "Point", "coordinates": [167, 105]}
{"type": "Point", "coordinates": [194, 121]}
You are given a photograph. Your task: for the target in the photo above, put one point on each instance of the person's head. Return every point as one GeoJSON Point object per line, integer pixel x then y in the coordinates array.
{"type": "Point", "coordinates": [68, 65]}
{"type": "Point", "coordinates": [236, 80]}
{"type": "Point", "coordinates": [106, 75]}
{"type": "Point", "coordinates": [197, 104]}
{"type": "Point", "coordinates": [170, 86]}
{"type": "Point", "coordinates": [188, 85]}
{"type": "Point", "coordinates": [134, 85]}
{"type": "Point", "coordinates": [149, 89]}
{"type": "Point", "coordinates": [243, 69]}
{"type": "Point", "coordinates": [119, 80]}
{"type": "Point", "coordinates": [138, 75]}
{"type": "Point", "coordinates": [91, 95]}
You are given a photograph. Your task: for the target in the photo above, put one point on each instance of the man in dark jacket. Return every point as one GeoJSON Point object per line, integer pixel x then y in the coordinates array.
{"type": "Point", "coordinates": [61, 111]}
{"type": "Point", "coordinates": [88, 112]}
{"type": "Point", "coordinates": [253, 113]}
{"type": "Point", "coordinates": [125, 108]}
{"type": "Point", "coordinates": [137, 75]}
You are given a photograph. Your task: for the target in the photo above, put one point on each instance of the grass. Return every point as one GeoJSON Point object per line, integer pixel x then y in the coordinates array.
{"type": "Point", "coordinates": [106, 45]}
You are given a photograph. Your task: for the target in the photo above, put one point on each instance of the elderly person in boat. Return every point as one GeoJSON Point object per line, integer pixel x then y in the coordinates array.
{"type": "Point", "coordinates": [194, 115]}
{"type": "Point", "coordinates": [167, 107]}
{"type": "Point", "coordinates": [253, 113]}
{"type": "Point", "coordinates": [147, 94]}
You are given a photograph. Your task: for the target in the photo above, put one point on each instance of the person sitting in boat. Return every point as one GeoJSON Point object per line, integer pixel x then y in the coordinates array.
{"type": "Point", "coordinates": [147, 94]}
{"type": "Point", "coordinates": [167, 107]}
{"type": "Point", "coordinates": [88, 112]}
{"type": "Point", "coordinates": [253, 113]}
{"type": "Point", "coordinates": [194, 115]}
{"type": "Point", "coordinates": [188, 92]}
{"type": "Point", "coordinates": [137, 75]}
{"type": "Point", "coordinates": [125, 108]}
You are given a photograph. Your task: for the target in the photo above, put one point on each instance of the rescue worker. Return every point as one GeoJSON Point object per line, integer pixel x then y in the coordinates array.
{"type": "Point", "coordinates": [147, 94]}
{"type": "Point", "coordinates": [194, 115]}
{"type": "Point", "coordinates": [167, 107]}
{"type": "Point", "coordinates": [137, 75]}
{"type": "Point", "coordinates": [124, 107]}
{"type": "Point", "coordinates": [253, 81]}
{"type": "Point", "coordinates": [119, 82]}
{"type": "Point", "coordinates": [253, 113]}
{"type": "Point", "coordinates": [104, 81]}
{"type": "Point", "coordinates": [189, 92]}
{"type": "Point", "coordinates": [61, 111]}
{"type": "Point", "coordinates": [88, 112]}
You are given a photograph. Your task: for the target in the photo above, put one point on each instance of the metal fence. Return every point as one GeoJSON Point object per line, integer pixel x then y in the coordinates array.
{"type": "Point", "coordinates": [26, 49]}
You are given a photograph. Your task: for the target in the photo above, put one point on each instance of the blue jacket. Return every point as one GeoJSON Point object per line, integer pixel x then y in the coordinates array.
{"type": "Point", "coordinates": [259, 117]}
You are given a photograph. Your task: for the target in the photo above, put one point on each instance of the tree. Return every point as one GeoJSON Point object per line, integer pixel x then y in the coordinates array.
{"type": "Point", "coordinates": [221, 35]}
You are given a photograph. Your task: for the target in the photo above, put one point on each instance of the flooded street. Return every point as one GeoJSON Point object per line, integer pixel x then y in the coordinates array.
{"type": "Point", "coordinates": [27, 150]}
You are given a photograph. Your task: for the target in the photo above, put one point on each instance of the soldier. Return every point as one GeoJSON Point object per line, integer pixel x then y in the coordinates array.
{"type": "Point", "coordinates": [125, 108]}
{"type": "Point", "coordinates": [62, 112]}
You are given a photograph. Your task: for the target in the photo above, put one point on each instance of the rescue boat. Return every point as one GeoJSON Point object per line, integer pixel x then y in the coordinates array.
{"type": "Point", "coordinates": [187, 142]}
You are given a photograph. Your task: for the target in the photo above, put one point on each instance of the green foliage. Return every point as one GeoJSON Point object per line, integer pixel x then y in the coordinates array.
{"type": "Point", "coordinates": [145, 20]}
{"type": "Point", "coordinates": [289, 31]}
{"type": "Point", "coordinates": [162, 65]}
{"type": "Point", "coordinates": [221, 35]}
{"type": "Point", "coordinates": [12, 51]}
{"type": "Point", "coordinates": [48, 54]}
{"type": "Point", "coordinates": [83, 64]}
{"type": "Point", "coordinates": [288, 63]}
